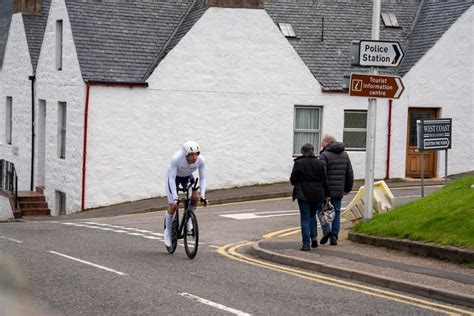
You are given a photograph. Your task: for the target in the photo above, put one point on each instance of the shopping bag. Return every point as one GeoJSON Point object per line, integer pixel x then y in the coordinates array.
{"type": "Point", "coordinates": [326, 216]}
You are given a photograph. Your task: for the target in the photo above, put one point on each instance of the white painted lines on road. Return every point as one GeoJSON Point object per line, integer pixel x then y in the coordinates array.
{"type": "Point", "coordinates": [122, 230]}
{"type": "Point", "coordinates": [113, 228]}
{"type": "Point", "coordinates": [88, 263]}
{"type": "Point", "coordinates": [215, 305]}
{"type": "Point", "coordinates": [11, 239]}
{"type": "Point", "coordinates": [242, 216]}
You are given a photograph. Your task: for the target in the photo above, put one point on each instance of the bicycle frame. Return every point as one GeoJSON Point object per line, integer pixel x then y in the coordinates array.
{"type": "Point", "coordinates": [186, 203]}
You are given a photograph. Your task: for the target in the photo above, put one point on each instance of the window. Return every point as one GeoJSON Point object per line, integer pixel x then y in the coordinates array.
{"type": "Point", "coordinates": [355, 129]}
{"type": "Point", "coordinates": [306, 127]}
{"type": "Point", "coordinates": [287, 29]}
{"type": "Point", "coordinates": [390, 20]}
{"type": "Point", "coordinates": [62, 130]}
{"type": "Point", "coordinates": [60, 203]}
{"type": "Point", "coordinates": [9, 121]}
{"type": "Point", "coordinates": [59, 44]}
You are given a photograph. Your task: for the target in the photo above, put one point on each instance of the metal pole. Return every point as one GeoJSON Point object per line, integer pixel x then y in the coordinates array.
{"type": "Point", "coordinates": [422, 174]}
{"type": "Point", "coordinates": [371, 125]}
{"type": "Point", "coordinates": [445, 167]}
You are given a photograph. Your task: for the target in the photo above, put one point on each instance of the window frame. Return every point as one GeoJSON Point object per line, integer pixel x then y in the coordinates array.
{"type": "Point", "coordinates": [287, 30]}
{"type": "Point", "coordinates": [9, 120]}
{"type": "Point", "coordinates": [318, 130]}
{"type": "Point", "coordinates": [62, 131]}
{"type": "Point", "coordinates": [355, 129]}
{"type": "Point", "coordinates": [59, 44]}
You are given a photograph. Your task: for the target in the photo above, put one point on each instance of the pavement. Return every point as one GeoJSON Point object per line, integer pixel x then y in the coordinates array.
{"type": "Point", "coordinates": [406, 271]}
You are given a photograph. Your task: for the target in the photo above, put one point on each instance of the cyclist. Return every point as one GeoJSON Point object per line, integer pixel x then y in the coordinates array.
{"type": "Point", "coordinates": [180, 171]}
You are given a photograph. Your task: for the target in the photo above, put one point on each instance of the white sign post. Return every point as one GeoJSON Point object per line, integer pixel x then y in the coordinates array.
{"type": "Point", "coordinates": [376, 53]}
{"type": "Point", "coordinates": [371, 125]}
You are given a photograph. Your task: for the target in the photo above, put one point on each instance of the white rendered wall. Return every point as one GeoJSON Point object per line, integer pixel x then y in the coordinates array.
{"type": "Point", "coordinates": [55, 86]}
{"type": "Point", "coordinates": [443, 78]}
{"type": "Point", "coordinates": [225, 85]}
{"type": "Point", "coordinates": [14, 83]}
{"type": "Point", "coordinates": [6, 212]}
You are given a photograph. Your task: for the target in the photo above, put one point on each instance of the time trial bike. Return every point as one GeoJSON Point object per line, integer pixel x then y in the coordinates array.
{"type": "Point", "coordinates": [186, 229]}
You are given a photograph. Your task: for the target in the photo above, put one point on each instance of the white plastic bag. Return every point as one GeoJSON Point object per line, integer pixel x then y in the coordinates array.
{"type": "Point", "coordinates": [326, 216]}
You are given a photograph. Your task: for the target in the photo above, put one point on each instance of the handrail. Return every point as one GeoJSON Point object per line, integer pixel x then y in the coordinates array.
{"type": "Point", "coordinates": [9, 179]}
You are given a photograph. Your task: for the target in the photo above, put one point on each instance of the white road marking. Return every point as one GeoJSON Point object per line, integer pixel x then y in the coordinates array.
{"type": "Point", "coordinates": [215, 305]}
{"type": "Point", "coordinates": [89, 263]}
{"type": "Point", "coordinates": [11, 239]}
{"type": "Point", "coordinates": [152, 237]}
{"type": "Point", "coordinates": [242, 216]}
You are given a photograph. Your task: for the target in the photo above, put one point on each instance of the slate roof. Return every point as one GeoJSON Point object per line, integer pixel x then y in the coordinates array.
{"type": "Point", "coordinates": [326, 50]}
{"type": "Point", "coordinates": [34, 29]}
{"type": "Point", "coordinates": [435, 18]}
{"type": "Point", "coordinates": [124, 40]}
{"type": "Point", "coordinates": [119, 40]}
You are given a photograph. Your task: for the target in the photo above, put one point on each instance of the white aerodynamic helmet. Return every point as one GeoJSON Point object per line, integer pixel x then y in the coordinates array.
{"type": "Point", "coordinates": [191, 147]}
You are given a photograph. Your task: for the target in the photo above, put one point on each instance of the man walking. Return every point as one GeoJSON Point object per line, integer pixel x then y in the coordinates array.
{"type": "Point", "coordinates": [340, 178]}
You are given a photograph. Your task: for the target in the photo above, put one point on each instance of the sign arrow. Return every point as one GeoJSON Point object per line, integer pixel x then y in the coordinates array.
{"type": "Point", "coordinates": [376, 86]}
{"type": "Point", "coordinates": [397, 55]}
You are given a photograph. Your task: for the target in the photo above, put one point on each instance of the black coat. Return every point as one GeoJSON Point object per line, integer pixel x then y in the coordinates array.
{"type": "Point", "coordinates": [340, 175]}
{"type": "Point", "coordinates": [309, 179]}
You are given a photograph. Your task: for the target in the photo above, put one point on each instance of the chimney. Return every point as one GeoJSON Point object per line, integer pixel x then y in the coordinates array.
{"type": "Point", "coordinates": [32, 7]}
{"type": "Point", "coordinates": [247, 4]}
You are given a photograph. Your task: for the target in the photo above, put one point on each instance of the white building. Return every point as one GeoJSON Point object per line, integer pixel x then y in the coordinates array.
{"type": "Point", "coordinates": [116, 97]}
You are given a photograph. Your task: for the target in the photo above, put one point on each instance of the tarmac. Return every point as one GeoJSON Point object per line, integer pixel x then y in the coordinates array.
{"type": "Point", "coordinates": [414, 271]}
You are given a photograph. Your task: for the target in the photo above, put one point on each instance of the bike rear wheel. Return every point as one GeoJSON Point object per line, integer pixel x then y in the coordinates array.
{"type": "Point", "coordinates": [191, 238]}
{"type": "Point", "coordinates": [174, 233]}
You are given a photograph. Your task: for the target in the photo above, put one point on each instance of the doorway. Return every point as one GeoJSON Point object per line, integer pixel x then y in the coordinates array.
{"type": "Point", "coordinates": [413, 157]}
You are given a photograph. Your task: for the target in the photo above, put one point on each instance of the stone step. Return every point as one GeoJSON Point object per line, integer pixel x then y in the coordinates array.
{"type": "Point", "coordinates": [36, 212]}
{"type": "Point", "coordinates": [33, 204]}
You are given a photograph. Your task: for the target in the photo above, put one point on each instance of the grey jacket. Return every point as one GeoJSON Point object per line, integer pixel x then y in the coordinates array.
{"type": "Point", "coordinates": [339, 172]}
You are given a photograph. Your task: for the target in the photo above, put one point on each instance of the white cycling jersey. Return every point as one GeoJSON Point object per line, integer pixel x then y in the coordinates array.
{"type": "Point", "coordinates": [180, 167]}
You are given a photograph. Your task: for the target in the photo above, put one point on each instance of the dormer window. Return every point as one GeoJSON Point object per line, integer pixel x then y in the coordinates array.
{"type": "Point", "coordinates": [287, 30]}
{"type": "Point", "coordinates": [390, 20]}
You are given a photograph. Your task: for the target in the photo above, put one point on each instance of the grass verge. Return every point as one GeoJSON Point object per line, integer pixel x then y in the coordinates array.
{"type": "Point", "coordinates": [445, 217]}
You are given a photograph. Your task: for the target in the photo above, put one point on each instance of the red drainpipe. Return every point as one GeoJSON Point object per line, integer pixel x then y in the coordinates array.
{"type": "Point", "coordinates": [86, 114]}
{"type": "Point", "coordinates": [389, 134]}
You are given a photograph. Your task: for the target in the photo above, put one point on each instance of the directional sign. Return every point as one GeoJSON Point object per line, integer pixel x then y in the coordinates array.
{"type": "Point", "coordinates": [376, 86]}
{"type": "Point", "coordinates": [380, 53]}
{"type": "Point", "coordinates": [434, 134]}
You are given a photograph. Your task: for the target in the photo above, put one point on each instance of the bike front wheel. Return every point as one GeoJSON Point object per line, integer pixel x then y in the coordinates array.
{"type": "Point", "coordinates": [191, 236]}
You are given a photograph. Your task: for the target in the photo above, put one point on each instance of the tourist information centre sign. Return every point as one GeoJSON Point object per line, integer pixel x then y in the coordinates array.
{"type": "Point", "coordinates": [434, 134]}
{"type": "Point", "coordinates": [375, 86]}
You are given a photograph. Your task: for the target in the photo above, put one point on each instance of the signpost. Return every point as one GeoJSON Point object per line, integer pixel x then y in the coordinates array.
{"type": "Point", "coordinates": [374, 53]}
{"type": "Point", "coordinates": [380, 53]}
{"type": "Point", "coordinates": [433, 134]}
{"type": "Point", "coordinates": [375, 86]}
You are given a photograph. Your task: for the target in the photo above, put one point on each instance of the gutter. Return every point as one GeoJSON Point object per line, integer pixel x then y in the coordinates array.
{"type": "Point", "coordinates": [90, 83]}
{"type": "Point", "coordinates": [32, 79]}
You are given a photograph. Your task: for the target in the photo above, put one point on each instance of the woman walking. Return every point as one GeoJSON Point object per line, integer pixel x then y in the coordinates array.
{"type": "Point", "coordinates": [309, 180]}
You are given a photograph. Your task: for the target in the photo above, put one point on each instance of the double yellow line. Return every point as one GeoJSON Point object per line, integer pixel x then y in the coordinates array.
{"type": "Point", "coordinates": [230, 251]}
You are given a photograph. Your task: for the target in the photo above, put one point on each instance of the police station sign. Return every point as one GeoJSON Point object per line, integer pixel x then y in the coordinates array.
{"type": "Point", "coordinates": [370, 53]}
{"type": "Point", "coordinates": [434, 134]}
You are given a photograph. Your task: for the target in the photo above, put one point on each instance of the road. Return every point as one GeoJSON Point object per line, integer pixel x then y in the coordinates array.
{"type": "Point", "coordinates": [119, 266]}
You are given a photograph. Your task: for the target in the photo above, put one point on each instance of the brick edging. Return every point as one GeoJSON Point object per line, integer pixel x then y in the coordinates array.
{"type": "Point", "coordinates": [416, 247]}
{"type": "Point", "coordinates": [405, 286]}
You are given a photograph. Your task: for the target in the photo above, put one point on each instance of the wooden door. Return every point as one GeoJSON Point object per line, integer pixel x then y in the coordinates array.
{"type": "Point", "coordinates": [413, 157]}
